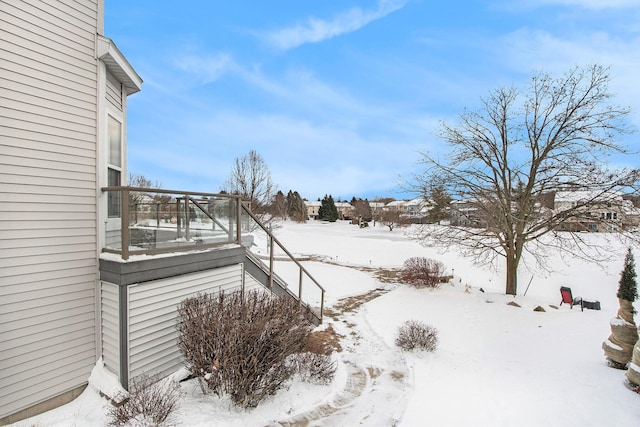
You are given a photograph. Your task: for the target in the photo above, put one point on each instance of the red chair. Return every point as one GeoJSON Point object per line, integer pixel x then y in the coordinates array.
{"type": "Point", "coordinates": [568, 298]}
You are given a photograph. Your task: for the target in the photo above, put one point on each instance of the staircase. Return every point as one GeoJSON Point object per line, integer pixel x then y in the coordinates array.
{"type": "Point", "coordinates": [278, 286]}
{"type": "Point", "coordinates": [264, 272]}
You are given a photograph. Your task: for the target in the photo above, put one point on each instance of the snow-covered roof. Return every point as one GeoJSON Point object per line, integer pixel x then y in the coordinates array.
{"type": "Point", "coordinates": [416, 202]}
{"type": "Point", "coordinates": [585, 195]}
{"type": "Point", "coordinates": [343, 205]}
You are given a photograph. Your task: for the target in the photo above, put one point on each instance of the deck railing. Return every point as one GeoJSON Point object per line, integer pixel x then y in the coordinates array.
{"type": "Point", "coordinates": [151, 221]}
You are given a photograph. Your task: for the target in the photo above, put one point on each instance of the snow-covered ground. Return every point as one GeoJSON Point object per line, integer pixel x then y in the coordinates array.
{"type": "Point", "coordinates": [496, 364]}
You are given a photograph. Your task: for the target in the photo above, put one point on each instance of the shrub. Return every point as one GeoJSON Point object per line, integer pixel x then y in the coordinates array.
{"type": "Point", "coordinates": [628, 287]}
{"type": "Point", "coordinates": [240, 346]}
{"type": "Point", "coordinates": [313, 367]}
{"type": "Point", "coordinates": [414, 334]}
{"type": "Point", "coordinates": [422, 272]}
{"type": "Point", "coordinates": [150, 403]}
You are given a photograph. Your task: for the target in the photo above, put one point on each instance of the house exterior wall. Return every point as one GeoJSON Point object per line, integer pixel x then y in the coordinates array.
{"type": "Point", "coordinates": [153, 316]}
{"type": "Point", "coordinates": [313, 209]}
{"type": "Point", "coordinates": [48, 215]}
{"type": "Point", "coordinates": [139, 320]}
{"type": "Point", "coordinates": [110, 322]}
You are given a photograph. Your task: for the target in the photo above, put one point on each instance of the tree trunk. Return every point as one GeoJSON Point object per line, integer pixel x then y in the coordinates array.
{"type": "Point", "coordinates": [512, 274]}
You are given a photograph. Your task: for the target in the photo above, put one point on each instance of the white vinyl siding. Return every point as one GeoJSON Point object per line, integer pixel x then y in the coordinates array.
{"type": "Point", "coordinates": [110, 317]}
{"type": "Point", "coordinates": [114, 91]}
{"type": "Point", "coordinates": [153, 316]}
{"type": "Point", "coordinates": [251, 283]}
{"type": "Point", "coordinates": [48, 237]}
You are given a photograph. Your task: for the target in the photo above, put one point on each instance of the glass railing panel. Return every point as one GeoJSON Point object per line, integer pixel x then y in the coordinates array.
{"type": "Point", "coordinates": [208, 221]}
{"type": "Point", "coordinates": [161, 220]}
{"type": "Point", "coordinates": [113, 224]}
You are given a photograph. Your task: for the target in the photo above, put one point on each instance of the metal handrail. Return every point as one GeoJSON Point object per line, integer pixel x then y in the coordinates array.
{"type": "Point", "coordinates": [274, 240]}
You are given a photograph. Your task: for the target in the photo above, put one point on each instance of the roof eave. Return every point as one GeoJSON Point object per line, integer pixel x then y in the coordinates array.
{"type": "Point", "coordinates": [118, 65]}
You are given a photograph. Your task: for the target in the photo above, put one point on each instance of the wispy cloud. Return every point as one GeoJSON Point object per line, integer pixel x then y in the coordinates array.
{"type": "Point", "coordinates": [206, 69]}
{"type": "Point", "coordinates": [586, 4]}
{"type": "Point", "coordinates": [316, 30]}
{"type": "Point", "coordinates": [302, 91]}
{"type": "Point", "coordinates": [528, 51]}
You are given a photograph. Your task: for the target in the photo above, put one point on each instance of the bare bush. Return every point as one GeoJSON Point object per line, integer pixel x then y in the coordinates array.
{"type": "Point", "coordinates": [422, 272]}
{"type": "Point", "coordinates": [239, 346]}
{"type": "Point", "coordinates": [150, 403]}
{"type": "Point", "coordinates": [313, 367]}
{"type": "Point", "coordinates": [414, 334]}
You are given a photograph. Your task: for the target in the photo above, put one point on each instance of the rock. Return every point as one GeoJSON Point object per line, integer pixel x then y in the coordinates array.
{"type": "Point", "coordinates": [539, 308]}
{"type": "Point", "coordinates": [513, 304]}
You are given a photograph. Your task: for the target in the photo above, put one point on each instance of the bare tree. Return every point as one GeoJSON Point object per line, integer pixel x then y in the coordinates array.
{"type": "Point", "coordinates": [362, 209]}
{"type": "Point", "coordinates": [141, 202]}
{"type": "Point", "coordinates": [521, 146]}
{"type": "Point", "coordinates": [140, 181]}
{"type": "Point", "coordinates": [393, 218]}
{"type": "Point", "coordinates": [250, 178]}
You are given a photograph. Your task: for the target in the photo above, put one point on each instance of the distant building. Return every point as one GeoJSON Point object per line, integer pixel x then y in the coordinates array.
{"type": "Point", "coordinates": [595, 211]}
{"type": "Point", "coordinates": [345, 210]}
{"type": "Point", "coordinates": [396, 205]}
{"type": "Point", "coordinates": [464, 213]}
{"type": "Point", "coordinates": [313, 208]}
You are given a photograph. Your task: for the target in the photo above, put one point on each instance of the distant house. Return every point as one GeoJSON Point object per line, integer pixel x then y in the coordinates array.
{"type": "Point", "coordinates": [396, 205]}
{"type": "Point", "coordinates": [376, 208]}
{"type": "Point", "coordinates": [630, 214]}
{"type": "Point", "coordinates": [345, 210]}
{"type": "Point", "coordinates": [465, 213]}
{"type": "Point", "coordinates": [417, 209]}
{"type": "Point", "coordinates": [313, 208]}
{"type": "Point", "coordinates": [73, 288]}
{"type": "Point", "coordinates": [595, 211]}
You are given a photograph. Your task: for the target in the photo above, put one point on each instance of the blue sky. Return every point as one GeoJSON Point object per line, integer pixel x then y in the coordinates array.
{"type": "Point", "coordinates": [340, 96]}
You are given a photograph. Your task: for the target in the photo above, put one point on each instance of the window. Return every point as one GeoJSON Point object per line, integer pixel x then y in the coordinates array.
{"type": "Point", "coordinates": [114, 165]}
{"type": "Point", "coordinates": [114, 133]}
{"type": "Point", "coordinates": [113, 208]}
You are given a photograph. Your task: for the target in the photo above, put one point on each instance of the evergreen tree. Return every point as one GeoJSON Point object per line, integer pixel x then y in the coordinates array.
{"type": "Point", "coordinates": [290, 203]}
{"type": "Point", "coordinates": [328, 210]}
{"type": "Point", "coordinates": [296, 208]}
{"type": "Point", "coordinates": [619, 347]}
{"type": "Point", "coordinates": [628, 289]}
{"type": "Point", "coordinates": [441, 201]}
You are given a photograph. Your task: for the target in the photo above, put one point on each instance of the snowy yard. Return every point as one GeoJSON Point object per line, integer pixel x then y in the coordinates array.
{"type": "Point", "coordinates": [496, 364]}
